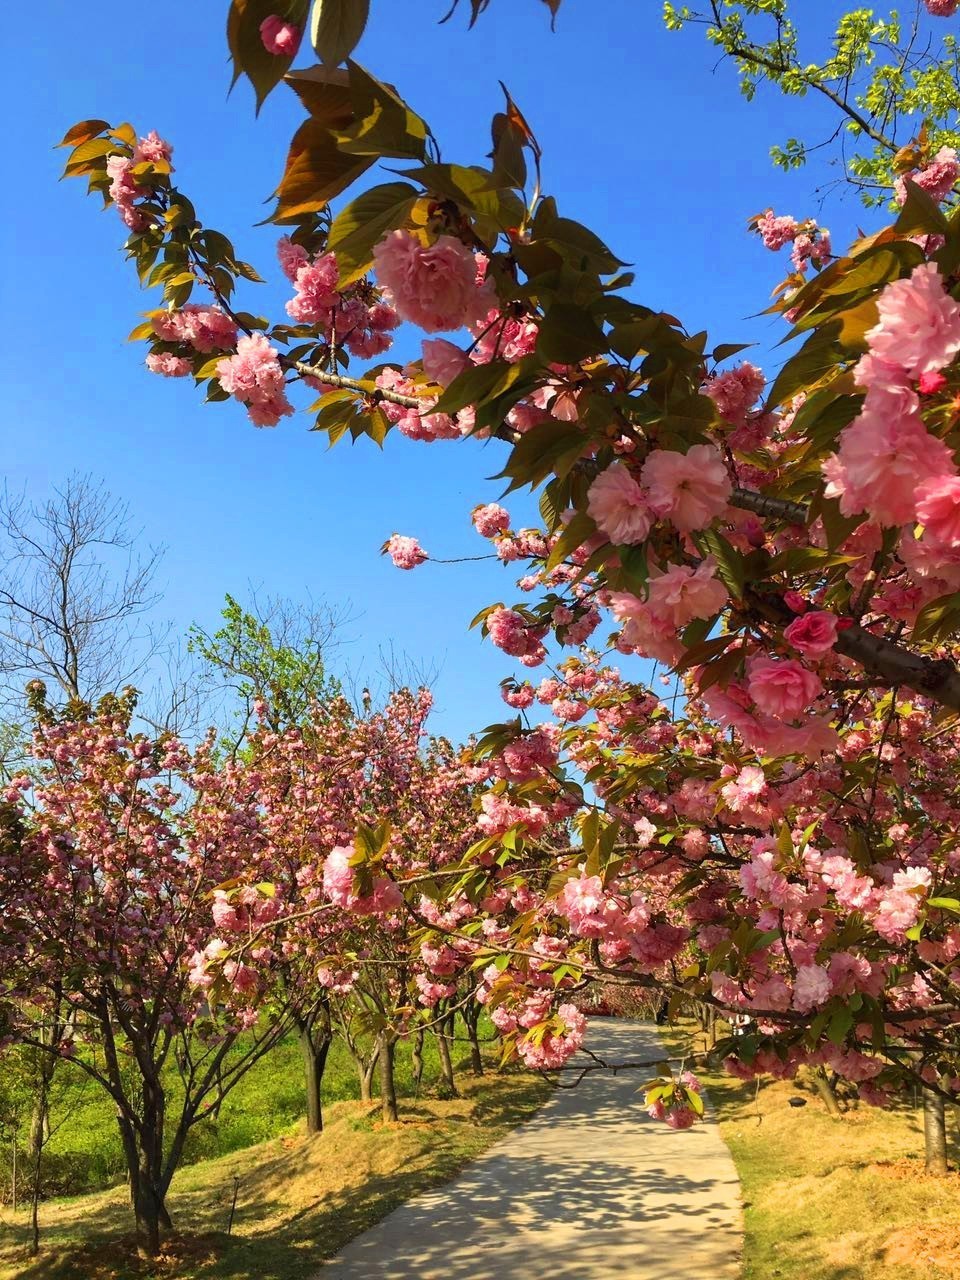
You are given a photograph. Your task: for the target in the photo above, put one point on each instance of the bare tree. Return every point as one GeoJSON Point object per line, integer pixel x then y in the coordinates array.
{"type": "Point", "coordinates": [73, 593]}
{"type": "Point", "coordinates": [393, 671]}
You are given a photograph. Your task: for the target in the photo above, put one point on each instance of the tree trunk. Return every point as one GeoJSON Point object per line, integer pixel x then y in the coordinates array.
{"type": "Point", "coordinates": [365, 1072]}
{"type": "Point", "coordinates": [416, 1058]}
{"type": "Point", "coordinates": [934, 1132]}
{"type": "Point", "coordinates": [314, 1048]}
{"type": "Point", "coordinates": [446, 1065]}
{"type": "Point", "coordinates": [470, 1021]}
{"type": "Point", "coordinates": [827, 1095]}
{"type": "Point", "coordinates": [388, 1092]}
{"type": "Point", "coordinates": [143, 1148]}
{"type": "Point", "coordinates": [39, 1129]}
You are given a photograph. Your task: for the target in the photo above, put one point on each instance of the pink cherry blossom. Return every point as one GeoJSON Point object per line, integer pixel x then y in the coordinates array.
{"type": "Point", "coordinates": [490, 519]}
{"type": "Point", "coordinates": [255, 377]}
{"type": "Point", "coordinates": [206, 329]}
{"type": "Point", "coordinates": [280, 37]}
{"type": "Point", "coordinates": [170, 366]}
{"type": "Point", "coordinates": [406, 553]}
{"type": "Point", "coordinates": [679, 594]}
{"type": "Point", "coordinates": [812, 987]}
{"type": "Point", "coordinates": [124, 190]}
{"type": "Point", "coordinates": [781, 687]}
{"type": "Point", "coordinates": [291, 257]}
{"type": "Point", "coordinates": [433, 286]}
{"type": "Point", "coordinates": [938, 509]}
{"type": "Point", "coordinates": [690, 489]}
{"type": "Point", "coordinates": [736, 391]}
{"type": "Point", "coordinates": [776, 231]}
{"type": "Point", "coordinates": [938, 178]}
{"type": "Point", "coordinates": [919, 326]}
{"type": "Point", "coordinates": [443, 360]}
{"type": "Point", "coordinates": [511, 632]}
{"type": "Point", "coordinates": [619, 506]}
{"type": "Point", "coordinates": [152, 149]}
{"type": "Point", "coordinates": [813, 634]}
{"type": "Point", "coordinates": [745, 789]}
{"type": "Point", "coordinates": [884, 454]}
{"type": "Point", "coordinates": [316, 292]}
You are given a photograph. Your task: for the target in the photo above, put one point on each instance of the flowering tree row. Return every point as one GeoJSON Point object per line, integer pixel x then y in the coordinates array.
{"type": "Point", "coordinates": [787, 844]}
{"type": "Point", "coordinates": [193, 907]}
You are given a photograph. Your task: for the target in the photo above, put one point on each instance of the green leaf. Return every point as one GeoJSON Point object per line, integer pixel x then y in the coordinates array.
{"type": "Point", "coordinates": [694, 1100]}
{"type": "Point", "coordinates": [83, 131]}
{"type": "Point", "coordinates": [818, 356]}
{"type": "Point", "coordinates": [878, 267]}
{"type": "Point", "coordinates": [920, 214]}
{"type": "Point", "coordinates": [720, 670]}
{"type": "Point", "coordinates": [575, 243]}
{"type": "Point", "coordinates": [550, 447]}
{"type": "Point", "coordinates": [580, 528]}
{"type": "Point", "coordinates": [475, 191]}
{"type": "Point", "coordinates": [701, 653]}
{"type": "Point", "coordinates": [938, 619]}
{"type": "Point", "coordinates": [336, 27]}
{"type": "Point", "coordinates": [479, 383]}
{"type": "Point", "coordinates": [634, 569]}
{"type": "Point", "coordinates": [823, 416]}
{"type": "Point", "coordinates": [730, 566]}
{"type": "Point", "coordinates": [263, 69]}
{"type": "Point", "coordinates": [358, 228]}
{"type": "Point", "coordinates": [841, 1022]}
{"type": "Point", "coordinates": [315, 172]}
{"type": "Point", "coordinates": [727, 349]}
{"type": "Point", "coordinates": [569, 333]}
{"type": "Point", "coordinates": [385, 125]}
{"type": "Point", "coordinates": [87, 156]}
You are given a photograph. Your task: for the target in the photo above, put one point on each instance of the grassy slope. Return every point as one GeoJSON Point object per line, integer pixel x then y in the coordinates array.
{"type": "Point", "coordinates": [830, 1199]}
{"type": "Point", "coordinates": [85, 1154]}
{"type": "Point", "coordinates": [299, 1199]}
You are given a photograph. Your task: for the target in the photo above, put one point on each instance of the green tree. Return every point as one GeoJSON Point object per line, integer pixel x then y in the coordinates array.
{"type": "Point", "coordinates": [894, 81]}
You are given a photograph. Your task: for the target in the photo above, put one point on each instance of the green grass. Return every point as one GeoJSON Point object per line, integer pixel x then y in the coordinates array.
{"type": "Point", "coordinates": [84, 1153]}
{"type": "Point", "coordinates": [299, 1199]}
{"type": "Point", "coordinates": [826, 1199]}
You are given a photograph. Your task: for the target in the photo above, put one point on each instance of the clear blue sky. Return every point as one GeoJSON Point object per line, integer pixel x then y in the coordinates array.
{"type": "Point", "coordinates": [645, 140]}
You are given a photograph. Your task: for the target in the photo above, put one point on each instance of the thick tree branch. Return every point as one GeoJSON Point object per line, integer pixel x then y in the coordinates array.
{"type": "Point", "coordinates": [777, 508]}
{"type": "Point", "coordinates": [935, 678]}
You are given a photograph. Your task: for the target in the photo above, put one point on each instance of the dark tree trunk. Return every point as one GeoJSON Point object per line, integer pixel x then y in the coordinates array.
{"type": "Point", "coordinates": [416, 1059]}
{"type": "Point", "coordinates": [143, 1149]}
{"type": "Point", "coordinates": [443, 1051]}
{"type": "Point", "coordinates": [934, 1132]}
{"type": "Point", "coordinates": [39, 1132]}
{"type": "Point", "coordinates": [314, 1046]}
{"type": "Point", "coordinates": [471, 1018]}
{"type": "Point", "coordinates": [388, 1092]}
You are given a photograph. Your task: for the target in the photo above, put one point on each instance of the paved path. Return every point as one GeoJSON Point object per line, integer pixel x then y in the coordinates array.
{"type": "Point", "coordinates": [590, 1189]}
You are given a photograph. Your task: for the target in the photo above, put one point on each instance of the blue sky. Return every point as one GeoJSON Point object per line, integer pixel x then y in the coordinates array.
{"type": "Point", "coordinates": [645, 139]}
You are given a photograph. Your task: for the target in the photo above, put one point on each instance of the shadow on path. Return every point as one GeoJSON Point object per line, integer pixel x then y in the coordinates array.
{"type": "Point", "coordinates": [590, 1189]}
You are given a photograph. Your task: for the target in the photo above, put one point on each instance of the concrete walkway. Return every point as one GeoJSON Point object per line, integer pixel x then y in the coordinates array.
{"type": "Point", "coordinates": [590, 1189]}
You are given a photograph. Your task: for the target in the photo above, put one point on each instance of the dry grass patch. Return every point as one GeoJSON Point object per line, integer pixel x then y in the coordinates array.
{"type": "Point", "coordinates": [299, 1199]}
{"type": "Point", "coordinates": [827, 1199]}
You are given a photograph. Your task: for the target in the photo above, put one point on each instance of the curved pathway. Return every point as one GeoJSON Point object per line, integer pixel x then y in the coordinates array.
{"type": "Point", "coordinates": [590, 1189]}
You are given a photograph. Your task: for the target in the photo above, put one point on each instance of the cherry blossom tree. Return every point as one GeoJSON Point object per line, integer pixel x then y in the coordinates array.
{"type": "Point", "coordinates": [781, 838]}
{"type": "Point", "coordinates": [355, 804]}
{"type": "Point", "coordinates": [122, 840]}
